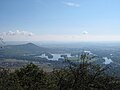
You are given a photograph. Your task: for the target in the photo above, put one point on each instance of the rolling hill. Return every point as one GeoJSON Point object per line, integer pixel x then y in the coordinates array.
{"type": "Point", "coordinates": [28, 48]}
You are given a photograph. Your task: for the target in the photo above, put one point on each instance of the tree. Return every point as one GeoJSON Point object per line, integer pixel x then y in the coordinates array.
{"type": "Point", "coordinates": [31, 77]}
{"type": "Point", "coordinates": [76, 76]}
{"type": "Point", "coordinates": [83, 76]}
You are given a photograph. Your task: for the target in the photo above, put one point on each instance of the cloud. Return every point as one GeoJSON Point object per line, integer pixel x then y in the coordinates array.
{"type": "Point", "coordinates": [84, 32]}
{"type": "Point", "coordinates": [29, 36]}
{"type": "Point", "coordinates": [78, 38]}
{"type": "Point", "coordinates": [71, 4]}
{"type": "Point", "coordinates": [17, 32]}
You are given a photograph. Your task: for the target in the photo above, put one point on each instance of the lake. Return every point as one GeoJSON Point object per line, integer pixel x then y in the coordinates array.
{"type": "Point", "coordinates": [55, 56]}
{"type": "Point", "coordinates": [107, 60]}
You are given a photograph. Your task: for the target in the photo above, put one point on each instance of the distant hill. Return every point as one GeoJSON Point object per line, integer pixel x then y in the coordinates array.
{"type": "Point", "coordinates": [28, 48]}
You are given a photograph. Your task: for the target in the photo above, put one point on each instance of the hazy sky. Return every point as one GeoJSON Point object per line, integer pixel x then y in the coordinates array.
{"type": "Point", "coordinates": [57, 20]}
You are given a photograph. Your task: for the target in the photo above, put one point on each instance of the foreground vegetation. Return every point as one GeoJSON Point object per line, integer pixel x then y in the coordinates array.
{"type": "Point", "coordinates": [79, 76]}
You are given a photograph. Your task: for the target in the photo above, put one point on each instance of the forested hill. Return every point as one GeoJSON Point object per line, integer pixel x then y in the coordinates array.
{"type": "Point", "coordinates": [29, 48]}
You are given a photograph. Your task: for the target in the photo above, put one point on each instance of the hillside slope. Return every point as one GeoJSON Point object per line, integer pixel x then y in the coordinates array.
{"type": "Point", "coordinates": [28, 48]}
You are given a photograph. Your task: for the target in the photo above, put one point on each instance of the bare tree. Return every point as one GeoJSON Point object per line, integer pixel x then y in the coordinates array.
{"type": "Point", "coordinates": [2, 43]}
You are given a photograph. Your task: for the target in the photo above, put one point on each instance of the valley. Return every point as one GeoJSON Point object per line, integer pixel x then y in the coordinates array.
{"type": "Point", "coordinates": [48, 58]}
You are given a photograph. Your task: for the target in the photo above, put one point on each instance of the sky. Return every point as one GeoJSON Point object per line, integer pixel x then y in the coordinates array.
{"type": "Point", "coordinates": [60, 20]}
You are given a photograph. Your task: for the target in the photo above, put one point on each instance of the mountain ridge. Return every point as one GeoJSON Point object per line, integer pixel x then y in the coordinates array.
{"type": "Point", "coordinates": [29, 48]}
